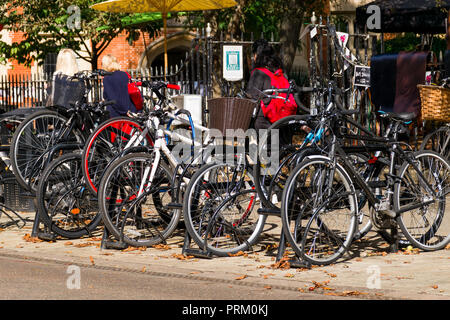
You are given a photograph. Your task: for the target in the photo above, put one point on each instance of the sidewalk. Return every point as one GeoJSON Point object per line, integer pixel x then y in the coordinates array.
{"type": "Point", "coordinates": [369, 272]}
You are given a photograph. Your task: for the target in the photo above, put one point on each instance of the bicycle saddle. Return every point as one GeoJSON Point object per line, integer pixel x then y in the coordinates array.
{"type": "Point", "coordinates": [403, 116]}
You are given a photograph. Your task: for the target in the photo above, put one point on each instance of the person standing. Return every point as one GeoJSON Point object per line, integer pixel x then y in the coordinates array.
{"type": "Point", "coordinates": [62, 91]}
{"type": "Point", "coordinates": [264, 59]}
{"type": "Point", "coordinates": [115, 87]}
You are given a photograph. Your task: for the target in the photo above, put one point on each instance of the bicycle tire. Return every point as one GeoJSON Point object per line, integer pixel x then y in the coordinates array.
{"type": "Point", "coordinates": [107, 140]}
{"type": "Point", "coordinates": [304, 202]}
{"type": "Point", "coordinates": [265, 143]}
{"type": "Point", "coordinates": [208, 222]}
{"type": "Point", "coordinates": [122, 207]}
{"type": "Point", "coordinates": [439, 141]}
{"type": "Point", "coordinates": [30, 142]}
{"type": "Point", "coordinates": [65, 205]}
{"type": "Point", "coordinates": [428, 226]}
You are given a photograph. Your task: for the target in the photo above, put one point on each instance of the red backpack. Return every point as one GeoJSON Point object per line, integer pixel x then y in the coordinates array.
{"type": "Point", "coordinates": [135, 94]}
{"type": "Point", "coordinates": [277, 108]}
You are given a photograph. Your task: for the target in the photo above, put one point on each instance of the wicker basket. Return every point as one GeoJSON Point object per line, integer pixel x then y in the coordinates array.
{"type": "Point", "coordinates": [230, 113]}
{"type": "Point", "coordinates": [435, 102]}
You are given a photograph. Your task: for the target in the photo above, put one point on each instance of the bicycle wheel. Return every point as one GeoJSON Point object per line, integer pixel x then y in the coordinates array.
{"type": "Point", "coordinates": [319, 211]}
{"type": "Point", "coordinates": [107, 141]}
{"type": "Point", "coordinates": [65, 205]}
{"type": "Point", "coordinates": [134, 209]}
{"type": "Point", "coordinates": [424, 220]}
{"type": "Point", "coordinates": [220, 209]}
{"type": "Point", "coordinates": [438, 141]}
{"type": "Point", "coordinates": [286, 137]}
{"type": "Point", "coordinates": [32, 142]}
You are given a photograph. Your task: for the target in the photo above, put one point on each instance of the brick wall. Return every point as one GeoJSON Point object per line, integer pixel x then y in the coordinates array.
{"type": "Point", "coordinates": [128, 56]}
{"type": "Point", "coordinates": [15, 67]}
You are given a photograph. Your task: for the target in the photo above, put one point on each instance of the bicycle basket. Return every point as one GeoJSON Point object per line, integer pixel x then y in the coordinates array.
{"type": "Point", "coordinates": [67, 91]}
{"type": "Point", "coordinates": [230, 113]}
{"type": "Point", "coordinates": [435, 102]}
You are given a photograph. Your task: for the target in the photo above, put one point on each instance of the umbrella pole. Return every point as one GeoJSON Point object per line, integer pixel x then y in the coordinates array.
{"type": "Point", "coordinates": [165, 44]}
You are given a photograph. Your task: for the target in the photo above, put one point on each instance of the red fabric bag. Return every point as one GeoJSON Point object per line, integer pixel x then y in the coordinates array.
{"type": "Point", "coordinates": [135, 94]}
{"type": "Point", "coordinates": [277, 108]}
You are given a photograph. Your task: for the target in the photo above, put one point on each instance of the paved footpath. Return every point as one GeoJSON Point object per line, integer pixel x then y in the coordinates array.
{"type": "Point", "coordinates": [367, 272]}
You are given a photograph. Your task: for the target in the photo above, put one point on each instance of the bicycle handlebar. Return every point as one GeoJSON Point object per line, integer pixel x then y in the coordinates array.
{"type": "Point", "coordinates": [156, 85]}
{"type": "Point", "coordinates": [87, 74]}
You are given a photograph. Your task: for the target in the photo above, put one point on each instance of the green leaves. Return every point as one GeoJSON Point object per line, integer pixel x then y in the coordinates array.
{"type": "Point", "coordinates": [49, 26]}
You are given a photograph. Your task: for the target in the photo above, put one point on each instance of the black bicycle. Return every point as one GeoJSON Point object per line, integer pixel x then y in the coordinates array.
{"type": "Point", "coordinates": [325, 193]}
{"type": "Point", "coordinates": [48, 133]}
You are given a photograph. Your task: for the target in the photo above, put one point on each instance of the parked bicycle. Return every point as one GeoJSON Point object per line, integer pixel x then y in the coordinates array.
{"type": "Point", "coordinates": [48, 133]}
{"type": "Point", "coordinates": [323, 195]}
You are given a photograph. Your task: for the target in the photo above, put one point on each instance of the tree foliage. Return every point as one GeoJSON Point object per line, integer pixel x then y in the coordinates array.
{"type": "Point", "coordinates": [283, 18]}
{"type": "Point", "coordinates": [50, 25]}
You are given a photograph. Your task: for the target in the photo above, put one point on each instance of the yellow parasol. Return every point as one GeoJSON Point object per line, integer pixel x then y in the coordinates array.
{"type": "Point", "coordinates": [163, 6]}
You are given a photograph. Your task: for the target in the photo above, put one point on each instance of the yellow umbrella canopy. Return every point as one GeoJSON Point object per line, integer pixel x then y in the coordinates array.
{"type": "Point", "coordinates": [163, 6]}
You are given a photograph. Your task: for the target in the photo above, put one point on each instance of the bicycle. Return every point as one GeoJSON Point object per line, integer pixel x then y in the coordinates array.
{"type": "Point", "coordinates": [220, 201]}
{"type": "Point", "coordinates": [65, 203]}
{"type": "Point", "coordinates": [47, 133]}
{"type": "Point", "coordinates": [114, 136]}
{"type": "Point", "coordinates": [323, 188]}
{"type": "Point", "coordinates": [139, 193]}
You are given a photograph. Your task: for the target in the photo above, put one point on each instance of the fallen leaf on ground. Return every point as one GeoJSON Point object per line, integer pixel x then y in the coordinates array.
{"type": "Point", "coordinates": [85, 244]}
{"type": "Point", "coordinates": [241, 277]}
{"type": "Point", "coordinates": [68, 243]}
{"type": "Point", "coordinates": [282, 264]}
{"type": "Point", "coordinates": [95, 239]}
{"type": "Point", "coordinates": [143, 269]}
{"type": "Point", "coordinates": [181, 256]}
{"type": "Point", "coordinates": [28, 238]}
{"type": "Point", "coordinates": [129, 249]}
{"type": "Point", "coordinates": [161, 247]}
{"type": "Point", "coordinates": [92, 260]}
{"type": "Point", "coordinates": [435, 286]}
{"type": "Point", "coordinates": [240, 253]}
{"type": "Point", "coordinates": [289, 275]}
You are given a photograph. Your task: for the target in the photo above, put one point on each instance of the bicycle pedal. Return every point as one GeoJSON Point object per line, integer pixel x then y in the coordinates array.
{"type": "Point", "coordinates": [46, 236]}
